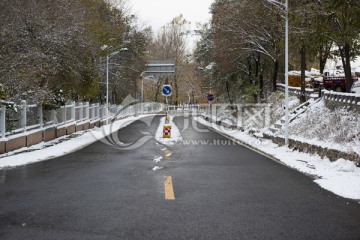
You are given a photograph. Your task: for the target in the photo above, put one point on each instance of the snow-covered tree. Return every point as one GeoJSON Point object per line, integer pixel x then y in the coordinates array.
{"type": "Point", "coordinates": [47, 46]}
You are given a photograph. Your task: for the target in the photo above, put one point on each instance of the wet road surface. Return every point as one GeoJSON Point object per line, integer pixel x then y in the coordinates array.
{"type": "Point", "coordinates": [219, 191]}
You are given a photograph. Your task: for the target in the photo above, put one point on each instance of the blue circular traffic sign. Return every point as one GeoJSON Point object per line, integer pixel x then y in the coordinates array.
{"type": "Point", "coordinates": [210, 97]}
{"type": "Point", "coordinates": [166, 90]}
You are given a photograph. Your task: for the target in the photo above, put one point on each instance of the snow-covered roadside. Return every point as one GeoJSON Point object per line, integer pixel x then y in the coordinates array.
{"type": "Point", "coordinates": [337, 128]}
{"type": "Point", "coordinates": [340, 177]}
{"type": "Point", "coordinates": [175, 133]}
{"type": "Point", "coordinates": [68, 144]}
{"type": "Point", "coordinates": [42, 152]}
{"type": "Point", "coordinates": [175, 137]}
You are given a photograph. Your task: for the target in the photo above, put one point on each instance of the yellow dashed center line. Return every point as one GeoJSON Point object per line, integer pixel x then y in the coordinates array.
{"type": "Point", "coordinates": [169, 190]}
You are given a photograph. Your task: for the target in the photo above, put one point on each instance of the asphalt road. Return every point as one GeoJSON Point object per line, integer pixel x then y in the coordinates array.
{"type": "Point", "coordinates": [221, 191]}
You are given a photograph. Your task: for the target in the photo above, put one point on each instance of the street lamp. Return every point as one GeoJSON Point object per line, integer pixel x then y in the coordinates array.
{"type": "Point", "coordinates": [287, 120]}
{"type": "Point", "coordinates": [142, 90]}
{"type": "Point", "coordinates": [107, 81]}
{"type": "Point", "coordinates": [142, 93]}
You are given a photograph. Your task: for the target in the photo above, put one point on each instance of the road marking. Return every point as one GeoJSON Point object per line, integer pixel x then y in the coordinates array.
{"type": "Point", "coordinates": [167, 153]}
{"type": "Point", "coordinates": [169, 190]}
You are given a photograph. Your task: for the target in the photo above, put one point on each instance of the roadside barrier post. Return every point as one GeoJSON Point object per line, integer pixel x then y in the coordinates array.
{"type": "Point", "coordinates": [73, 111]}
{"type": "Point", "coordinates": [81, 108]}
{"type": "Point", "coordinates": [23, 115]}
{"type": "Point", "coordinates": [53, 116]}
{"type": "Point", "coordinates": [40, 116]}
{"type": "Point", "coordinates": [64, 113]}
{"type": "Point", "coordinates": [3, 121]}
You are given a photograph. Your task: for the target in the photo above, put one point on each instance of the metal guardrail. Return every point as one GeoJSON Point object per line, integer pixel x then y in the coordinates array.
{"type": "Point", "coordinates": [340, 99]}
{"type": "Point", "coordinates": [188, 108]}
{"type": "Point", "coordinates": [295, 90]}
{"type": "Point", "coordinates": [30, 117]}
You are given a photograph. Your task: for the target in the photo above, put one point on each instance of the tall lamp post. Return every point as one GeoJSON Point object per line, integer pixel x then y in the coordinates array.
{"type": "Point", "coordinates": [107, 81]}
{"type": "Point", "coordinates": [287, 120]}
{"type": "Point", "coordinates": [136, 97]}
{"type": "Point", "coordinates": [142, 91]}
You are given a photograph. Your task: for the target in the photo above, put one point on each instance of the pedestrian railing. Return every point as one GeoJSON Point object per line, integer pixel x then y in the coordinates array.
{"type": "Point", "coordinates": [340, 99]}
{"type": "Point", "coordinates": [188, 108]}
{"type": "Point", "coordinates": [332, 99]}
{"type": "Point", "coordinates": [296, 91]}
{"type": "Point", "coordinates": [26, 117]}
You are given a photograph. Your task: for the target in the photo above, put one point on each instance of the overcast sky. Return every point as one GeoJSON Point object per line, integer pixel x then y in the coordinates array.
{"type": "Point", "coordinates": [156, 13]}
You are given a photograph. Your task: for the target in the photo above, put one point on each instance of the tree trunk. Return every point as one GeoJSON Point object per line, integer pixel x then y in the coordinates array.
{"type": "Point", "coordinates": [176, 90]}
{"type": "Point", "coordinates": [228, 90]}
{"type": "Point", "coordinates": [275, 74]}
{"type": "Point", "coordinates": [347, 68]}
{"type": "Point", "coordinates": [257, 73]}
{"type": "Point", "coordinates": [157, 89]}
{"type": "Point", "coordinates": [303, 68]}
{"type": "Point", "coordinates": [261, 80]}
{"type": "Point", "coordinates": [324, 53]}
{"type": "Point", "coordinates": [114, 95]}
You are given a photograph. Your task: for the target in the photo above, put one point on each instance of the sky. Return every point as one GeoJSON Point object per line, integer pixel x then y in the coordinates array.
{"type": "Point", "coordinates": [157, 13]}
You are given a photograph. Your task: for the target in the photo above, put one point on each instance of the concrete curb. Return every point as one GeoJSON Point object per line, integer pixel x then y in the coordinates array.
{"type": "Point", "coordinates": [293, 145]}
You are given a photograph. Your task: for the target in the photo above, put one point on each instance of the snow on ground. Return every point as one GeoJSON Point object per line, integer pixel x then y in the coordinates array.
{"type": "Point", "coordinates": [337, 129]}
{"type": "Point", "coordinates": [68, 144]}
{"type": "Point", "coordinates": [340, 177]}
{"type": "Point", "coordinates": [157, 168]}
{"type": "Point", "coordinates": [63, 146]}
{"type": "Point", "coordinates": [175, 133]}
{"type": "Point", "coordinates": [158, 159]}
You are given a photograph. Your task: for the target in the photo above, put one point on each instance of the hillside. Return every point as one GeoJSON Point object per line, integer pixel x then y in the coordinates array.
{"type": "Point", "coordinates": [338, 128]}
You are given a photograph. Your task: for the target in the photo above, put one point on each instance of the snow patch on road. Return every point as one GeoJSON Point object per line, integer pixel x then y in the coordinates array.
{"type": "Point", "coordinates": [175, 133]}
{"type": "Point", "coordinates": [157, 168]}
{"type": "Point", "coordinates": [158, 159]}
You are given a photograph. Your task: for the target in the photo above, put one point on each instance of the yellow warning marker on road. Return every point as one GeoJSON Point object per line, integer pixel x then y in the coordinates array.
{"type": "Point", "coordinates": [169, 190]}
{"type": "Point", "coordinates": [167, 131]}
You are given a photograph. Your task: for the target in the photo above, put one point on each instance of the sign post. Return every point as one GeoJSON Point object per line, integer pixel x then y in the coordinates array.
{"type": "Point", "coordinates": [166, 92]}
{"type": "Point", "coordinates": [210, 97]}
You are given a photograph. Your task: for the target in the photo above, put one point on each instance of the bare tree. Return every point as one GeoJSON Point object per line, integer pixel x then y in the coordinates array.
{"type": "Point", "coordinates": [170, 43]}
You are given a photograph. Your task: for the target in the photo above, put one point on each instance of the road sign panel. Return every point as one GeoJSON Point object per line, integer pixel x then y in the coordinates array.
{"type": "Point", "coordinates": [166, 90]}
{"type": "Point", "coordinates": [210, 97]}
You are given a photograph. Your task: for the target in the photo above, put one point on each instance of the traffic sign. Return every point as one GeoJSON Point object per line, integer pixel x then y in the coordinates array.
{"type": "Point", "coordinates": [210, 97]}
{"type": "Point", "coordinates": [166, 90]}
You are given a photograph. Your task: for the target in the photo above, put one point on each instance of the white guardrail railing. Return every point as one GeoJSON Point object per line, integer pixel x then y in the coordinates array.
{"type": "Point", "coordinates": [351, 100]}
{"type": "Point", "coordinates": [28, 117]}
{"type": "Point", "coordinates": [186, 107]}
{"type": "Point", "coordinates": [294, 90]}
{"type": "Point", "coordinates": [340, 99]}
